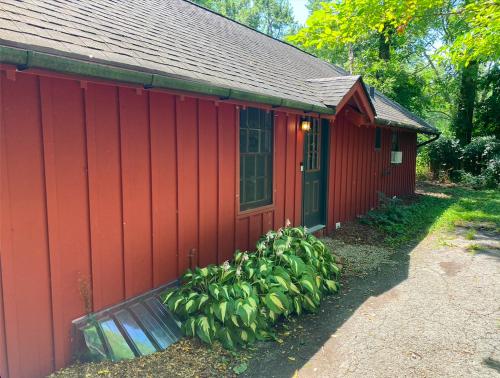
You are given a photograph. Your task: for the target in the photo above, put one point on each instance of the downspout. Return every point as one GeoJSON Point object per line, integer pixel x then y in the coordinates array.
{"type": "Point", "coordinates": [436, 137]}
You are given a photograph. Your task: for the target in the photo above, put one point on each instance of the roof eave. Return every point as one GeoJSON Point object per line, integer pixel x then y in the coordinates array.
{"type": "Point", "coordinates": [424, 130]}
{"type": "Point", "coordinates": [25, 59]}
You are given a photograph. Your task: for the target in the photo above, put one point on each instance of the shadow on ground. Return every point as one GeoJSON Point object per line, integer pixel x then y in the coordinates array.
{"type": "Point", "coordinates": [305, 336]}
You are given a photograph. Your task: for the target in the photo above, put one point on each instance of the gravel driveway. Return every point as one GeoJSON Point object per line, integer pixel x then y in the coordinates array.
{"type": "Point", "coordinates": [435, 313]}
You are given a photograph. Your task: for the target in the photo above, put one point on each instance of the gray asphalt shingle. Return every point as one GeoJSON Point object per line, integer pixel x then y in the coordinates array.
{"type": "Point", "coordinates": [176, 37]}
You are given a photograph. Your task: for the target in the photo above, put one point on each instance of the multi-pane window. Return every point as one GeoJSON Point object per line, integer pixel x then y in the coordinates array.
{"type": "Point", "coordinates": [395, 141]}
{"type": "Point", "coordinates": [313, 147]}
{"type": "Point", "coordinates": [378, 138]}
{"type": "Point", "coordinates": [256, 158]}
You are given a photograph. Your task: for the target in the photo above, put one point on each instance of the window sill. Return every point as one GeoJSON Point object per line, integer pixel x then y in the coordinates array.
{"type": "Point", "coordinates": [257, 210]}
{"type": "Point", "coordinates": [316, 228]}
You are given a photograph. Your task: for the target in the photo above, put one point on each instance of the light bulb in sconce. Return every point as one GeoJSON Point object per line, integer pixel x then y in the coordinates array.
{"type": "Point", "coordinates": [305, 125]}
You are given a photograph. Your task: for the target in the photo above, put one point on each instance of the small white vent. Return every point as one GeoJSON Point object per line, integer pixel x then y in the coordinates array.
{"type": "Point", "coordinates": [396, 157]}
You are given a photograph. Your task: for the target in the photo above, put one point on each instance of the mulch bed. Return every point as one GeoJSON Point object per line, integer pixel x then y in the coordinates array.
{"type": "Point", "coordinates": [186, 358]}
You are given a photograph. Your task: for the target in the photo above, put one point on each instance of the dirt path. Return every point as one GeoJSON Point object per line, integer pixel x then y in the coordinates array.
{"type": "Point", "coordinates": [434, 313]}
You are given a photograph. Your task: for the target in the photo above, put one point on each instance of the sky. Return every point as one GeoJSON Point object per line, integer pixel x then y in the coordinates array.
{"type": "Point", "coordinates": [299, 10]}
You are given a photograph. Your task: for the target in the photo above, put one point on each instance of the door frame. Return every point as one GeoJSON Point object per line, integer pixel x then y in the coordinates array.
{"type": "Point", "coordinates": [325, 164]}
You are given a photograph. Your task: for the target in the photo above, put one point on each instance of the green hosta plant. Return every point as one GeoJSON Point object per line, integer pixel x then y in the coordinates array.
{"type": "Point", "coordinates": [238, 302]}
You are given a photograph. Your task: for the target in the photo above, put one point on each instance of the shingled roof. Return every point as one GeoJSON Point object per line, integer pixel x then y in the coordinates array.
{"type": "Point", "coordinates": [182, 41]}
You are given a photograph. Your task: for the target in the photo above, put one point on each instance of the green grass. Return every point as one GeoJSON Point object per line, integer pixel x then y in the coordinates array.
{"type": "Point", "coordinates": [438, 209]}
{"type": "Point", "coordinates": [471, 234]}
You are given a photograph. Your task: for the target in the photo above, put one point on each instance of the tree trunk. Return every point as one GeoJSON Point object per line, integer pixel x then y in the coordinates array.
{"type": "Point", "coordinates": [463, 123]}
{"type": "Point", "coordinates": [384, 47]}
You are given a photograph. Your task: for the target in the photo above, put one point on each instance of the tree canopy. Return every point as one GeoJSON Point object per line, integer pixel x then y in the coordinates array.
{"type": "Point", "coordinates": [439, 58]}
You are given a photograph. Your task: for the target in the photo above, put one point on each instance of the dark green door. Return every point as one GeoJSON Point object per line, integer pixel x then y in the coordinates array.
{"type": "Point", "coordinates": [315, 168]}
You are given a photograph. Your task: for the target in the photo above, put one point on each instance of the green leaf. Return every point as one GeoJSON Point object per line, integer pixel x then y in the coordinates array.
{"type": "Point", "coordinates": [280, 280]}
{"type": "Point", "coordinates": [246, 288]}
{"type": "Point", "coordinates": [203, 299]}
{"type": "Point", "coordinates": [297, 265]}
{"type": "Point", "coordinates": [203, 329]}
{"type": "Point", "coordinates": [331, 286]}
{"type": "Point", "coordinates": [175, 302]}
{"type": "Point", "coordinates": [167, 296]}
{"type": "Point", "coordinates": [308, 284]}
{"type": "Point", "coordinates": [294, 288]}
{"type": "Point", "coordinates": [297, 305]}
{"type": "Point", "coordinates": [247, 313]}
{"type": "Point", "coordinates": [204, 272]}
{"type": "Point", "coordinates": [309, 303]}
{"type": "Point", "coordinates": [280, 271]}
{"type": "Point", "coordinates": [191, 306]}
{"type": "Point", "coordinates": [241, 368]}
{"type": "Point", "coordinates": [276, 302]}
{"type": "Point", "coordinates": [226, 338]}
{"type": "Point", "coordinates": [189, 327]}
{"type": "Point", "coordinates": [220, 311]}
{"type": "Point", "coordinates": [214, 290]}
{"type": "Point", "coordinates": [234, 319]}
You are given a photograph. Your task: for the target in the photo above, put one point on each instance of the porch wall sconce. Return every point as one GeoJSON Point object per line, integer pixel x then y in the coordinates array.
{"type": "Point", "coordinates": [305, 125]}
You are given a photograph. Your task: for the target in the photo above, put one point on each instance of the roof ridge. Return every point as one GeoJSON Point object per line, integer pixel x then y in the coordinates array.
{"type": "Point", "coordinates": [334, 78]}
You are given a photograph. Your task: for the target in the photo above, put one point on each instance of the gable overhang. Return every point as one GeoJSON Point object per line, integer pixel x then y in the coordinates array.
{"type": "Point", "coordinates": [365, 112]}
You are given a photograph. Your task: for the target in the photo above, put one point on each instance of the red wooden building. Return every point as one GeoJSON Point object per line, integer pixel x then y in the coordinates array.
{"type": "Point", "coordinates": [139, 138]}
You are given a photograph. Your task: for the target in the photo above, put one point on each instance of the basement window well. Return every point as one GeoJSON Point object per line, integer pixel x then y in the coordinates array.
{"type": "Point", "coordinates": [136, 327]}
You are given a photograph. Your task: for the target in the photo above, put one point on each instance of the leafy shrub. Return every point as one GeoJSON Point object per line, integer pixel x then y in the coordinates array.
{"type": "Point", "coordinates": [423, 171]}
{"type": "Point", "coordinates": [478, 153]}
{"type": "Point", "coordinates": [238, 302]}
{"type": "Point", "coordinates": [444, 155]}
{"type": "Point", "coordinates": [491, 173]}
{"type": "Point", "coordinates": [488, 179]}
{"type": "Point", "coordinates": [389, 216]}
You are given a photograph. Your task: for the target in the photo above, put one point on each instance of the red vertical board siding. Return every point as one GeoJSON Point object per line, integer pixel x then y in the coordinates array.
{"type": "Point", "coordinates": [280, 128]}
{"type": "Point", "coordinates": [4, 369]}
{"type": "Point", "coordinates": [227, 160]}
{"type": "Point", "coordinates": [356, 151]}
{"type": "Point", "coordinates": [63, 124]}
{"type": "Point", "coordinates": [254, 229]}
{"type": "Point", "coordinates": [164, 187]}
{"type": "Point", "coordinates": [299, 158]}
{"type": "Point", "coordinates": [207, 119]}
{"type": "Point", "coordinates": [187, 181]}
{"type": "Point", "coordinates": [362, 172]}
{"type": "Point", "coordinates": [267, 222]}
{"type": "Point", "coordinates": [136, 181]}
{"type": "Point", "coordinates": [4, 211]}
{"type": "Point", "coordinates": [369, 155]}
{"type": "Point", "coordinates": [105, 194]}
{"type": "Point", "coordinates": [242, 234]}
{"type": "Point", "coordinates": [290, 173]}
{"type": "Point", "coordinates": [25, 260]}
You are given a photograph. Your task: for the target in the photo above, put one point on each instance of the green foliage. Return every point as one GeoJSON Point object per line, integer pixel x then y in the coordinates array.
{"type": "Point", "coordinates": [477, 154]}
{"type": "Point", "coordinates": [476, 165]}
{"type": "Point", "coordinates": [479, 36]}
{"type": "Point", "coordinates": [437, 58]}
{"type": "Point", "coordinates": [273, 17]}
{"type": "Point", "coordinates": [390, 217]}
{"type": "Point", "coordinates": [487, 110]}
{"type": "Point", "coordinates": [444, 154]}
{"type": "Point", "coordinates": [237, 303]}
